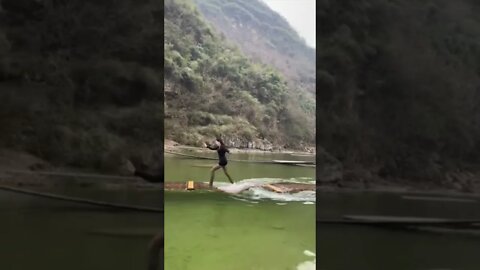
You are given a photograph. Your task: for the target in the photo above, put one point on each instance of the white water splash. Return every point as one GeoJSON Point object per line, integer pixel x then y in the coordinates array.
{"type": "Point", "coordinates": [245, 184]}
{"type": "Point", "coordinates": [309, 253]}
{"type": "Point", "coordinates": [251, 189]}
{"type": "Point", "coordinates": [301, 180]}
{"type": "Point", "coordinates": [237, 187]}
{"type": "Point", "coordinates": [308, 265]}
{"type": "Point", "coordinates": [305, 178]}
{"type": "Point", "coordinates": [258, 193]}
{"type": "Point", "coordinates": [241, 199]}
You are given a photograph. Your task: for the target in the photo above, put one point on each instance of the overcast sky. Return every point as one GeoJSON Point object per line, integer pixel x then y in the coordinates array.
{"type": "Point", "coordinates": [300, 14]}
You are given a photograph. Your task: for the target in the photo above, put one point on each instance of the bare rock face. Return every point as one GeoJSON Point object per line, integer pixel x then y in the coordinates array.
{"type": "Point", "coordinates": [264, 145]}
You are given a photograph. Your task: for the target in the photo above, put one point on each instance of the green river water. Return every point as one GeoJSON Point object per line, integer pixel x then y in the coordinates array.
{"type": "Point", "coordinates": [252, 231]}
{"type": "Point", "coordinates": [37, 233]}
{"type": "Point", "coordinates": [207, 230]}
{"type": "Point", "coordinates": [371, 248]}
{"type": "Point", "coordinates": [204, 230]}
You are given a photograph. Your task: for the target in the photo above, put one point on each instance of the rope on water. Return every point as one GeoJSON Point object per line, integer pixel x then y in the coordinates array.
{"type": "Point", "coordinates": [81, 200]}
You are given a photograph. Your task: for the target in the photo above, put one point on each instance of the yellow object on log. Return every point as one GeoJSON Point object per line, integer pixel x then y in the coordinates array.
{"type": "Point", "coordinates": [190, 185]}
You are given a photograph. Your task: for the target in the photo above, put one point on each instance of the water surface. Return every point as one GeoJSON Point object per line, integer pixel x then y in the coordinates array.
{"type": "Point", "coordinates": [37, 233]}
{"type": "Point", "coordinates": [253, 230]}
{"type": "Point", "coordinates": [369, 248]}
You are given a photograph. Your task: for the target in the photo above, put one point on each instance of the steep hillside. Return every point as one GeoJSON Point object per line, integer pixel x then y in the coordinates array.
{"type": "Point", "coordinates": [264, 35]}
{"type": "Point", "coordinates": [81, 81]}
{"type": "Point", "coordinates": [399, 86]}
{"type": "Point", "coordinates": [212, 89]}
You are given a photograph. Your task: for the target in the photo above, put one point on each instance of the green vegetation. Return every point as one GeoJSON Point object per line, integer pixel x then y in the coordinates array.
{"type": "Point", "coordinates": [81, 81]}
{"type": "Point", "coordinates": [212, 89]}
{"type": "Point", "coordinates": [260, 17]}
{"type": "Point", "coordinates": [398, 85]}
{"type": "Point", "coordinates": [266, 37]}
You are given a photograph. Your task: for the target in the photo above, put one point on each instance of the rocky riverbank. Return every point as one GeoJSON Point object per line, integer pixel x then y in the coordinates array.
{"type": "Point", "coordinates": [170, 145]}
{"type": "Point", "coordinates": [332, 179]}
{"type": "Point", "coordinates": [332, 175]}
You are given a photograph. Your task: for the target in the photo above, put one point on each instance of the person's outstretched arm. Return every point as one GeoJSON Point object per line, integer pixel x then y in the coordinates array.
{"type": "Point", "coordinates": [214, 147]}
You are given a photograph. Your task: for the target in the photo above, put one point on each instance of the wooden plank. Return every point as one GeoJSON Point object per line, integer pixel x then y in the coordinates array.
{"type": "Point", "coordinates": [292, 161]}
{"type": "Point", "coordinates": [439, 199]}
{"type": "Point", "coordinates": [182, 186]}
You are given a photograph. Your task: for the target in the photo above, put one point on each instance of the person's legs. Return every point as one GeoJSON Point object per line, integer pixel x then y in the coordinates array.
{"type": "Point", "coordinates": [212, 176]}
{"type": "Point", "coordinates": [226, 173]}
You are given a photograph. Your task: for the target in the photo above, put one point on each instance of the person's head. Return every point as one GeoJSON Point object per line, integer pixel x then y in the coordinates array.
{"type": "Point", "coordinates": [219, 140]}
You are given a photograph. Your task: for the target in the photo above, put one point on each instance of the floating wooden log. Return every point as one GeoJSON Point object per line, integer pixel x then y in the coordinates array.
{"type": "Point", "coordinates": [82, 200]}
{"type": "Point", "coordinates": [281, 187]}
{"type": "Point", "coordinates": [68, 174]}
{"type": "Point", "coordinates": [405, 223]}
{"type": "Point", "coordinates": [307, 165]}
{"type": "Point", "coordinates": [395, 220]}
{"type": "Point", "coordinates": [472, 231]}
{"type": "Point", "coordinates": [439, 199]}
{"type": "Point", "coordinates": [127, 232]}
{"type": "Point", "coordinates": [292, 162]}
